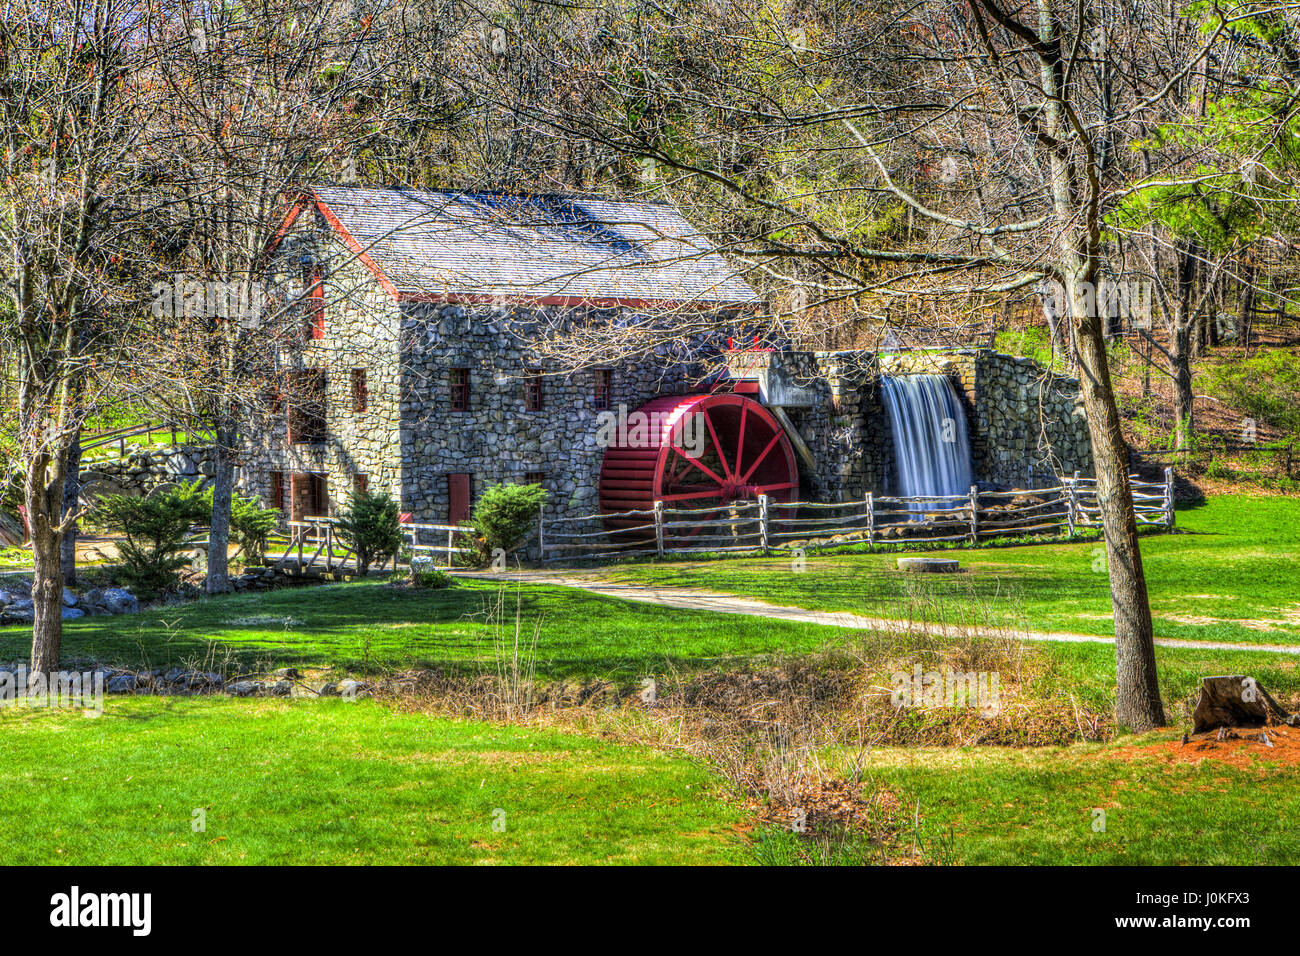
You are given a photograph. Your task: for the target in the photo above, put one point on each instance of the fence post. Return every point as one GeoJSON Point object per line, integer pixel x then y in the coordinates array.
{"type": "Point", "coordinates": [541, 540]}
{"type": "Point", "coordinates": [659, 527]}
{"type": "Point", "coordinates": [1169, 497]}
{"type": "Point", "coordinates": [871, 521]}
{"type": "Point", "coordinates": [451, 543]}
{"type": "Point", "coordinates": [1068, 483]}
{"type": "Point", "coordinates": [762, 522]}
{"type": "Point", "coordinates": [329, 547]}
{"type": "Point", "coordinates": [974, 512]}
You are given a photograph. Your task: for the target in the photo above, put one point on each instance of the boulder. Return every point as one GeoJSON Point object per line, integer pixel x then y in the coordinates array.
{"type": "Point", "coordinates": [72, 613]}
{"type": "Point", "coordinates": [122, 684]}
{"type": "Point", "coordinates": [931, 565]}
{"type": "Point", "coordinates": [120, 601]}
{"type": "Point", "coordinates": [245, 688]}
{"type": "Point", "coordinates": [69, 598]}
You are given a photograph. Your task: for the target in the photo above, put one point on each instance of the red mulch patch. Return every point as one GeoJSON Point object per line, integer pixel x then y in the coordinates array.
{"type": "Point", "coordinates": [1239, 747]}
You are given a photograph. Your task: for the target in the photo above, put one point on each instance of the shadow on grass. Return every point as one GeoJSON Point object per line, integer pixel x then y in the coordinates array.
{"type": "Point", "coordinates": [370, 627]}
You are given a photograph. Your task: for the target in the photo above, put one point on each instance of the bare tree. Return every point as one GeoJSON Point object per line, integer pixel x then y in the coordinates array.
{"type": "Point", "coordinates": [70, 207]}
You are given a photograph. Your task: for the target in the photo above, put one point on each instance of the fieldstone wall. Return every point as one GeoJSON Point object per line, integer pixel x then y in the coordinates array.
{"type": "Point", "coordinates": [1026, 424]}
{"type": "Point", "coordinates": [141, 472]}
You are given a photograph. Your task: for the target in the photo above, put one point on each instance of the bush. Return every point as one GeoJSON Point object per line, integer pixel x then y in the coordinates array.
{"type": "Point", "coordinates": [504, 513]}
{"type": "Point", "coordinates": [370, 527]}
{"type": "Point", "coordinates": [425, 575]}
{"type": "Point", "coordinates": [155, 529]}
{"type": "Point", "coordinates": [250, 521]}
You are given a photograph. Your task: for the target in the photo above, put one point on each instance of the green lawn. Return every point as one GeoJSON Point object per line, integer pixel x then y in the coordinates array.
{"type": "Point", "coordinates": [369, 624]}
{"type": "Point", "coordinates": [1005, 806]}
{"type": "Point", "coordinates": [292, 782]}
{"type": "Point", "coordinates": [1231, 574]}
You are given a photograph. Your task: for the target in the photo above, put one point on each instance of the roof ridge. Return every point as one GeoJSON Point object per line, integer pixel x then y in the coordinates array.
{"type": "Point", "coordinates": [587, 197]}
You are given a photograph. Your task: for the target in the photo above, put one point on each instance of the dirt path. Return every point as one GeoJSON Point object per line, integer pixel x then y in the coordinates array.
{"type": "Point", "coordinates": [693, 600]}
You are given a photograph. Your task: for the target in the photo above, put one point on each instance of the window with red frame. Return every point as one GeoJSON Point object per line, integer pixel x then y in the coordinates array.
{"type": "Point", "coordinates": [306, 401]}
{"type": "Point", "coordinates": [277, 490]}
{"type": "Point", "coordinates": [360, 484]}
{"type": "Point", "coordinates": [459, 383]}
{"type": "Point", "coordinates": [360, 393]}
{"type": "Point", "coordinates": [314, 298]}
{"type": "Point", "coordinates": [603, 395]}
{"type": "Point", "coordinates": [534, 396]}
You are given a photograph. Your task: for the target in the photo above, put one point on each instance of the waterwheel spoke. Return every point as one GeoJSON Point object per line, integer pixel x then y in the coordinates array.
{"type": "Point", "coordinates": [717, 445]}
{"type": "Point", "coordinates": [692, 495]}
{"type": "Point", "coordinates": [740, 442]}
{"type": "Point", "coordinates": [707, 471]}
{"type": "Point", "coordinates": [761, 455]}
{"type": "Point", "coordinates": [781, 486]}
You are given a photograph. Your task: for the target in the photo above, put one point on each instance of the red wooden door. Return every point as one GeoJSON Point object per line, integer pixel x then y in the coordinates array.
{"type": "Point", "coordinates": [457, 498]}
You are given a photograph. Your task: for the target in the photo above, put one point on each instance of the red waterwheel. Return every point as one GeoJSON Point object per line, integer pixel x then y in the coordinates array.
{"type": "Point", "coordinates": [696, 452]}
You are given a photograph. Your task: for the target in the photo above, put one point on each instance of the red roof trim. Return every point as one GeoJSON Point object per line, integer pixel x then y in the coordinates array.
{"type": "Point", "coordinates": [356, 250]}
{"type": "Point", "coordinates": [472, 298]}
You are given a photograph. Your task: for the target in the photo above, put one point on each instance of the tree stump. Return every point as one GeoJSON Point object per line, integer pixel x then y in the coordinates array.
{"type": "Point", "coordinates": [1236, 701]}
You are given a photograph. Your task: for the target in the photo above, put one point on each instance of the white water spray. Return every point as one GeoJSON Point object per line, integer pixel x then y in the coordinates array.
{"type": "Point", "coordinates": [931, 441]}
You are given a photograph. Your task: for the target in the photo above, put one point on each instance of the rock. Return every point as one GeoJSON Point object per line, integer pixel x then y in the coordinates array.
{"type": "Point", "coordinates": [932, 565]}
{"type": "Point", "coordinates": [72, 613]}
{"type": "Point", "coordinates": [69, 598]}
{"type": "Point", "coordinates": [201, 680]}
{"type": "Point", "coordinates": [94, 598]}
{"type": "Point", "coordinates": [289, 673]}
{"type": "Point", "coordinates": [122, 684]}
{"type": "Point", "coordinates": [282, 688]}
{"type": "Point", "coordinates": [353, 688]}
{"type": "Point", "coordinates": [120, 601]}
{"type": "Point", "coordinates": [245, 688]}
{"type": "Point", "coordinates": [173, 675]}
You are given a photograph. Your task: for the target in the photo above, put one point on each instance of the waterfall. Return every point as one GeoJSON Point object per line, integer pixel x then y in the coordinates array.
{"type": "Point", "coordinates": [931, 442]}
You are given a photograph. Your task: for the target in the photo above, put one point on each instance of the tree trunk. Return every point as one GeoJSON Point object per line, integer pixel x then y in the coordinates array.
{"type": "Point", "coordinates": [1137, 699]}
{"type": "Point", "coordinates": [44, 501]}
{"type": "Point", "coordinates": [1180, 349]}
{"type": "Point", "coordinates": [218, 579]}
{"type": "Point", "coordinates": [71, 492]}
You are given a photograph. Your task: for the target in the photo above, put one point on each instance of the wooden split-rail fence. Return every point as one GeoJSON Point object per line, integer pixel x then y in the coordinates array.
{"type": "Point", "coordinates": [764, 525]}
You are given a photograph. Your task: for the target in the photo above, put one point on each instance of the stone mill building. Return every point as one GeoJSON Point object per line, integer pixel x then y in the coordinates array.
{"type": "Point", "coordinates": [414, 369]}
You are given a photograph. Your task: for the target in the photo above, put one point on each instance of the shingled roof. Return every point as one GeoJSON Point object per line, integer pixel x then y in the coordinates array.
{"type": "Point", "coordinates": [531, 248]}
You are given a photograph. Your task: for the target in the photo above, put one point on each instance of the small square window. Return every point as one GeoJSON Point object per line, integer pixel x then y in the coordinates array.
{"type": "Point", "coordinates": [360, 484]}
{"type": "Point", "coordinates": [459, 382]}
{"type": "Point", "coordinates": [602, 398]}
{"type": "Point", "coordinates": [360, 393]}
{"type": "Point", "coordinates": [534, 477]}
{"type": "Point", "coordinates": [534, 399]}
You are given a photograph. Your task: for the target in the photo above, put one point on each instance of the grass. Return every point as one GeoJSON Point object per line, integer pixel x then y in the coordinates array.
{"type": "Point", "coordinates": [1000, 806]}
{"type": "Point", "coordinates": [331, 782]}
{"type": "Point", "coordinates": [367, 625]}
{"type": "Point", "coordinates": [1232, 574]}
